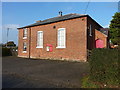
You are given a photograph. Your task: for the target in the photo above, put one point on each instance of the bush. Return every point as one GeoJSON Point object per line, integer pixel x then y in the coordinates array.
{"type": "Point", "coordinates": [6, 52]}
{"type": "Point", "coordinates": [104, 66]}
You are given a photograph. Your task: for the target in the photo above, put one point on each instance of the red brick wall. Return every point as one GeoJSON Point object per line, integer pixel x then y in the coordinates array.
{"type": "Point", "coordinates": [101, 36]}
{"type": "Point", "coordinates": [20, 43]}
{"type": "Point", "coordinates": [91, 39]}
{"type": "Point", "coordinates": [75, 40]}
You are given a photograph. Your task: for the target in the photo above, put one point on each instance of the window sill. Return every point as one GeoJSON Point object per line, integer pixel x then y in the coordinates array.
{"type": "Point", "coordinates": [24, 37]}
{"type": "Point", "coordinates": [39, 47]}
{"type": "Point", "coordinates": [90, 35]}
{"type": "Point", "coordinates": [60, 47]}
{"type": "Point", "coordinates": [24, 51]}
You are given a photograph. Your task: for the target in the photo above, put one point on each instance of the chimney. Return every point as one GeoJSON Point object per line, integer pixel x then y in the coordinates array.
{"type": "Point", "coordinates": [38, 21]}
{"type": "Point", "coordinates": [60, 13]}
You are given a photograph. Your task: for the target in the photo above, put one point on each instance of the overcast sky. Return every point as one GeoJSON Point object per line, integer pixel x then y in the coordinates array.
{"type": "Point", "coordinates": [17, 14]}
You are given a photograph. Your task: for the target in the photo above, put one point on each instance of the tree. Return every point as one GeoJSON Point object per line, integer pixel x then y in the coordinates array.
{"type": "Point", "coordinates": [115, 28]}
{"type": "Point", "coordinates": [11, 44]}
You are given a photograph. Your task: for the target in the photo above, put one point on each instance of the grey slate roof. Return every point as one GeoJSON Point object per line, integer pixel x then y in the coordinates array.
{"type": "Point", "coordinates": [104, 31]}
{"type": "Point", "coordinates": [56, 19]}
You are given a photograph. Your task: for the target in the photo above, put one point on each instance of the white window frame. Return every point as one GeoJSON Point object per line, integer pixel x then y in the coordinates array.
{"type": "Point", "coordinates": [25, 35]}
{"type": "Point", "coordinates": [58, 39]}
{"type": "Point", "coordinates": [39, 40]}
{"type": "Point", "coordinates": [90, 30]}
{"type": "Point", "coordinates": [24, 51]}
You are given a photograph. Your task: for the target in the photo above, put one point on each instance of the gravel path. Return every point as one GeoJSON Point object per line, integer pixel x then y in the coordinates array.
{"type": "Point", "coordinates": [33, 73]}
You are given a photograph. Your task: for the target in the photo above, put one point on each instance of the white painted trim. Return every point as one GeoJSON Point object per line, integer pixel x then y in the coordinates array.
{"type": "Point", "coordinates": [60, 47]}
{"type": "Point", "coordinates": [39, 31]}
{"type": "Point", "coordinates": [24, 51]}
{"type": "Point", "coordinates": [39, 47]}
{"type": "Point", "coordinates": [42, 39]}
{"type": "Point", "coordinates": [24, 37]}
{"type": "Point", "coordinates": [61, 28]}
{"type": "Point", "coordinates": [25, 29]}
{"type": "Point", "coordinates": [64, 38]}
{"type": "Point", "coordinates": [90, 30]}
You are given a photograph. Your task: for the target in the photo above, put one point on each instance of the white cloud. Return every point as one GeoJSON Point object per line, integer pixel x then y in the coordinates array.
{"type": "Point", "coordinates": [11, 26]}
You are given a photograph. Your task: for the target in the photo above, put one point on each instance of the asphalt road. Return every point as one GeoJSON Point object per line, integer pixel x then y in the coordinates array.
{"type": "Point", "coordinates": [33, 73]}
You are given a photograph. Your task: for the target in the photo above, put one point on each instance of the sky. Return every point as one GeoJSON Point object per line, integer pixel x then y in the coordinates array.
{"type": "Point", "coordinates": [18, 14]}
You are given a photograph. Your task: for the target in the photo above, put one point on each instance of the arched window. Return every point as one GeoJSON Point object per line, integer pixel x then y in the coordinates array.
{"type": "Point", "coordinates": [61, 38]}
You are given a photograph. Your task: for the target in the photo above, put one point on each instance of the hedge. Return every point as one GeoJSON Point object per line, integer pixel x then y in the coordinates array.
{"type": "Point", "coordinates": [6, 52]}
{"type": "Point", "coordinates": [104, 66]}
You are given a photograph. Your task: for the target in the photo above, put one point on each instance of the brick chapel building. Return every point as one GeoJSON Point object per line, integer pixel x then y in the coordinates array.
{"type": "Point", "coordinates": [64, 37]}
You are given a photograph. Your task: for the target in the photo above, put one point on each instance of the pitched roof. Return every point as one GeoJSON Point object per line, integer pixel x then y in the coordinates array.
{"type": "Point", "coordinates": [55, 19]}
{"type": "Point", "coordinates": [104, 31]}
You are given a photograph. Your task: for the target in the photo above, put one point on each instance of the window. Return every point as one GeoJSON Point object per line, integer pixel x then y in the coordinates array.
{"type": "Point", "coordinates": [24, 33]}
{"type": "Point", "coordinates": [40, 39]}
{"type": "Point", "coordinates": [61, 40]}
{"type": "Point", "coordinates": [90, 32]}
{"type": "Point", "coordinates": [24, 47]}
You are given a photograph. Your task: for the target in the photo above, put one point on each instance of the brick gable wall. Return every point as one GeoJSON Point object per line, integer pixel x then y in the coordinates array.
{"type": "Point", "coordinates": [75, 40]}
{"type": "Point", "coordinates": [78, 40]}
{"type": "Point", "coordinates": [91, 39]}
{"type": "Point", "coordinates": [101, 36]}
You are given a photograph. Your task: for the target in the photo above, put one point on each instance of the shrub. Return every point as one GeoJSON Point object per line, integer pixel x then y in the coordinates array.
{"type": "Point", "coordinates": [104, 66]}
{"type": "Point", "coordinates": [6, 52]}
